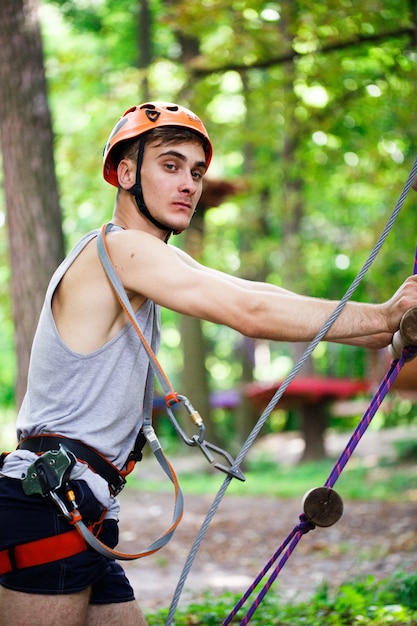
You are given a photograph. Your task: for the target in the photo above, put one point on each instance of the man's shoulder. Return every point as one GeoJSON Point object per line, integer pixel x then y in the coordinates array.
{"type": "Point", "coordinates": [137, 242]}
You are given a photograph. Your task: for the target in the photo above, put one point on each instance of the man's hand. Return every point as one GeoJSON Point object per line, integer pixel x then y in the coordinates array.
{"type": "Point", "coordinates": [407, 333]}
{"type": "Point", "coordinates": [405, 298]}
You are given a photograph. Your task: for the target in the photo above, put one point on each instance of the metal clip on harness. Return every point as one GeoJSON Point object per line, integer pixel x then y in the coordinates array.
{"type": "Point", "coordinates": [49, 472]}
{"type": "Point", "coordinates": [49, 475]}
{"type": "Point", "coordinates": [198, 439]}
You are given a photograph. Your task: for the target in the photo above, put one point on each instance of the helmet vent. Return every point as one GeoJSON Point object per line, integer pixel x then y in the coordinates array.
{"type": "Point", "coordinates": [152, 115]}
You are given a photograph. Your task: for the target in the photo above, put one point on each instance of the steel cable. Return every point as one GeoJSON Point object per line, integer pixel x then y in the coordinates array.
{"type": "Point", "coordinates": [279, 393]}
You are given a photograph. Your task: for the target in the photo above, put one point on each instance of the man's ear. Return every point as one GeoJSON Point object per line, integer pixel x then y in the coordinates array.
{"type": "Point", "coordinates": [126, 173]}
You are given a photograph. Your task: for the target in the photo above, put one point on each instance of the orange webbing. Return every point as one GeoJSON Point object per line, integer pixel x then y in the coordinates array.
{"type": "Point", "coordinates": [111, 553]}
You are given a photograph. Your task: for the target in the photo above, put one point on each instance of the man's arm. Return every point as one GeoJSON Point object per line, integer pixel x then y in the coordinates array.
{"type": "Point", "coordinates": [251, 285]}
{"type": "Point", "coordinates": [374, 341]}
{"type": "Point", "coordinates": [148, 267]}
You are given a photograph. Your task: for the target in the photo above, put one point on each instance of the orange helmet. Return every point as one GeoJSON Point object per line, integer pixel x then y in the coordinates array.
{"type": "Point", "coordinates": [144, 117]}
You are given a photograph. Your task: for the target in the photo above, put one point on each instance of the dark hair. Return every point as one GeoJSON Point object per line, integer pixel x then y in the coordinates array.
{"type": "Point", "coordinates": [166, 135]}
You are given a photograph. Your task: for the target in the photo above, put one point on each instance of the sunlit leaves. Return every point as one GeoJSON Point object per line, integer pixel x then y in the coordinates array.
{"type": "Point", "coordinates": [329, 132]}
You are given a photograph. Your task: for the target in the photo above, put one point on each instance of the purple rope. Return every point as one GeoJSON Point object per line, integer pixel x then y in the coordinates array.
{"type": "Point", "coordinates": [305, 526]}
{"type": "Point", "coordinates": [301, 529]}
{"type": "Point", "coordinates": [381, 392]}
{"type": "Point", "coordinates": [293, 539]}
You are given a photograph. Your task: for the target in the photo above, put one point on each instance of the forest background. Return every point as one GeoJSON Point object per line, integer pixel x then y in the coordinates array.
{"type": "Point", "coordinates": [311, 109]}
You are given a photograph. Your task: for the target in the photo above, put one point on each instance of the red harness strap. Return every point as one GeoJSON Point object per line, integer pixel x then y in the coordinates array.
{"type": "Point", "coordinates": [41, 551]}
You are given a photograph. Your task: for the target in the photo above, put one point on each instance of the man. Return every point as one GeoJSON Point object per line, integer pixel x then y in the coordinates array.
{"type": "Point", "coordinates": [88, 372]}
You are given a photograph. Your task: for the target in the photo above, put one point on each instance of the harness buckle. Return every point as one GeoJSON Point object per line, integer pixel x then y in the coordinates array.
{"type": "Point", "coordinates": [48, 475]}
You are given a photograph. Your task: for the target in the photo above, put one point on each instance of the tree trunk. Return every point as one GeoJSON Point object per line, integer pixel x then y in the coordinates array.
{"type": "Point", "coordinates": [144, 45]}
{"type": "Point", "coordinates": [194, 378]}
{"type": "Point", "coordinates": [33, 214]}
{"type": "Point", "coordinates": [314, 421]}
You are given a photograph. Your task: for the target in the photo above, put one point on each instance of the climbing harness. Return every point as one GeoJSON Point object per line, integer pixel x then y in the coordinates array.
{"type": "Point", "coordinates": [49, 476]}
{"type": "Point", "coordinates": [40, 551]}
{"type": "Point", "coordinates": [331, 498]}
{"type": "Point", "coordinates": [42, 443]}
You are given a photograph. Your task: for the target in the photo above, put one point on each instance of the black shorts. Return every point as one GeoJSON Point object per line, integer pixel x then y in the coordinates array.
{"type": "Point", "coordinates": [27, 518]}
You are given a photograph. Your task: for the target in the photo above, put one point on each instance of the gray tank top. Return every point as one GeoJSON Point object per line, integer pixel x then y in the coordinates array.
{"type": "Point", "coordinates": [98, 398]}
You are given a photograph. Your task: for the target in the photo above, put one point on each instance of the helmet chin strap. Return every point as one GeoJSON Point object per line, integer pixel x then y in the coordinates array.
{"type": "Point", "coordinates": [136, 191]}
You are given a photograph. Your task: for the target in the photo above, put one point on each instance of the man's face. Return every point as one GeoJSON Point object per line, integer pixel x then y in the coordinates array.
{"type": "Point", "coordinates": [172, 180]}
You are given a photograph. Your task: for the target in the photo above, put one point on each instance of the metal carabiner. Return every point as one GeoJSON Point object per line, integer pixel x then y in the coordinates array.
{"type": "Point", "coordinates": [193, 415]}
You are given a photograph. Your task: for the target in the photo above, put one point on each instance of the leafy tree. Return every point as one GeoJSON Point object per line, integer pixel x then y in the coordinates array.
{"type": "Point", "coordinates": [311, 105]}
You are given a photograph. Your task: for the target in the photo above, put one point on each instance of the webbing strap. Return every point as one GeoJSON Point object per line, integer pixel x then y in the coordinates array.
{"type": "Point", "coordinates": [64, 545]}
{"type": "Point", "coordinates": [283, 387]}
{"type": "Point", "coordinates": [148, 430]}
{"type": "Point", "coordinates": [97, 462]}
{"type": "Point", "coordinates": [41, 551]}
{"type": "Point", "coordinates": [171, 396]}
{"type": "Point", "coordinates": [100, 547]}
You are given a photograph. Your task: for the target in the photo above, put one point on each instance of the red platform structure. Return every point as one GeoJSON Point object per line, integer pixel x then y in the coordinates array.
{"type": "Point", "coordinates": [306, 389]}
{"type": "Point", "coordinates": [311, 396]}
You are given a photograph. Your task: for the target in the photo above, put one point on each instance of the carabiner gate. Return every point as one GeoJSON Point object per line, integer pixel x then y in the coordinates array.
{"type": "Point", "coordinates": [193, 415]}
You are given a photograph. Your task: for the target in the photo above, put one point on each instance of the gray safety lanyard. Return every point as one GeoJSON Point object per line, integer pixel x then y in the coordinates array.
{"type": "Point", "coordinates": [72, 512]}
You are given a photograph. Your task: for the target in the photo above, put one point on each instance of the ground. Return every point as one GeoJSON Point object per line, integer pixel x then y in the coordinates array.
{"type": "Point", "coordinates": [371, 538]}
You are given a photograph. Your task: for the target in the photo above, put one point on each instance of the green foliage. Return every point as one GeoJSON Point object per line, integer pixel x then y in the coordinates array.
{"type": "Point", "coordinates": [358, 603]}
{"type": "Point", "coordinates": [7, 361]}
{"type": "Point", "coordinates": [7, 354]}
{"type": "Point", "coordinates": [387, 480]}
{"type": "Point", "coordinates": [310, 104]}
{"type": "Point", "coordinates": [406, 450]}
{"type": "Point", "coordinates": [351, 148]}
{"type": "Point", "coordinates": [401, 411]}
